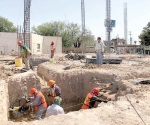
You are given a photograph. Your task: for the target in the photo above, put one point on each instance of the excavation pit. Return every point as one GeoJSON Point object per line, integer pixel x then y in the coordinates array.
{"type": "Point", "coordinates": [75, 83]}
{"type": "Point", "coordinates": [74, 86]}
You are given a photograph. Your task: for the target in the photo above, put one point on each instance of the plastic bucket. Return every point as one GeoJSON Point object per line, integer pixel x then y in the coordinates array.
{"type": "Point", "coordinates": [53, 61]}
{"type": "Point", "coordinates": [18, 62]}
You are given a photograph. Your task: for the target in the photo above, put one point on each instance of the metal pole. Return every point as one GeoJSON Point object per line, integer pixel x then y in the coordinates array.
{"type": "Point", "coordinates": [24, 21]}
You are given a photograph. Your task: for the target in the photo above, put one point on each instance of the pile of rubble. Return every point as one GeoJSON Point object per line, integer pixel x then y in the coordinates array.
{"type": "Point", "coordinates": [75, 56]}
{"type": "Point", "coordinates": [13, 53]}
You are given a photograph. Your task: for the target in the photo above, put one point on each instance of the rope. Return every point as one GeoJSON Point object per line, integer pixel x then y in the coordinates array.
{"type": "Point", "coordinates": [91, 101]}
{"type": "Point", "coordinates": [134, 108]}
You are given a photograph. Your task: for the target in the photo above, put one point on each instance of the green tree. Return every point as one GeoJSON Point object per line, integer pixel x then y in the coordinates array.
{"type": "Point", "coordinates": [6, 26]}
{"type": "Point", "coordinates": [145, 35]}
{"type": "Point", "coordinates": [70, 32]}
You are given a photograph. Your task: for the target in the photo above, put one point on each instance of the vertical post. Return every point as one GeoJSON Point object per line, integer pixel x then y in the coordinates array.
{"type": "Point", "coordinates": [24, 21]}
{"type": "Point", "coordinates": [125, 23]}
{"type": "Point", "coordinates": [27, 4]}
{"type": "Point", "coordinates": [108, 25]}
{"type": "Point", "coordinates": [83, 24]}
{"type": "Point", "coordinates": [130, 37]}
{"type": "Point", "coordinates": [17, 36]}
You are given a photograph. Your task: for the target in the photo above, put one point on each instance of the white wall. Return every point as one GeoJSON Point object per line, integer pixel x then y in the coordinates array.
{"type": "Point", "coordinates": [8, 41]}
{"type": "Point", "coordinates": [47, 42]}
{"type": "Point", "coordinates": [36, 39]}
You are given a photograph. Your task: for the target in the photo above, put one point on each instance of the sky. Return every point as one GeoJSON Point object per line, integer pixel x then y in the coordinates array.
{"type": "Point", "coordinates": [70, 11]}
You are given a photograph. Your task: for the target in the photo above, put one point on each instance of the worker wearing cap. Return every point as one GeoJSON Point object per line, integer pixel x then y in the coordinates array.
{"type": "Point", "coordinates": [25, 54]}
{"type": "Point", "coordinates": [53, 50]}
{"type": "Point", "coordinates": [39, 103]}
{"type": "Point", "coordinates": [55, 108]}
{"type": "Point", "coordinates": [92, 98]}
{"type": "Point", "coordinates": [53, 91]}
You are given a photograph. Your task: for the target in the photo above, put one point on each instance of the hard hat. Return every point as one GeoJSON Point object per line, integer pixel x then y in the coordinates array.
{"type": "Point", "coordinates": [32, 91]}
{"type": "Point", "coordinates": [57, 100]}
{"type": "Point", "coordinates": [51, 82]}
{"type": "Point", "coordinates": [96, 91]}
{"type": "Point", "coordinates": [52, 43]}
{"type": "Point", "coordinates": [19, 43]}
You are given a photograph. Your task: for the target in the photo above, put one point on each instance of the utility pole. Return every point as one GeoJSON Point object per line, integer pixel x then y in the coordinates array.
{"type": "Point", "coordinates": [27, 5]}
{"type": "Point", "coordinates": [83, 24]}
{"type": "Point", "coordinates": [130, 37]}
{"type": "Point", "coordinates": [108, 19]}
{"type": "Point", "coordinates": [130, 40]}
{"type": "Point", "coordinates": [109, 24]}
{"type": "Point", "coordinates": [125, 23]}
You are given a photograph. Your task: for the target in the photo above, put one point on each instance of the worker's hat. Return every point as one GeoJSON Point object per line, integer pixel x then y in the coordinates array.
{"type": "Point", "coordinates": [51, 82]}
{"type": "Point", "coordinates": [19, 43]}
{"type": "Point", "coordinates": [95, 91]}
{"type": "Point", "coordinates": [32, 91]}
{"type": "Point", "coordinates": [57, 100]}
{"type": "Point", "coordinates": [52, 43]}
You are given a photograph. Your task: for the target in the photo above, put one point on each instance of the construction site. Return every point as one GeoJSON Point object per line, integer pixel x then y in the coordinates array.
{"type": "Point", "coordinates": [76, 79]}
{"type": "Point", "coordinates": [123, 79]}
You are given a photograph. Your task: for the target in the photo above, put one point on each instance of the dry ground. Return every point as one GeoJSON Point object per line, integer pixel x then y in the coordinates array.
{"type": "Point", "coordinates": [113, 113]}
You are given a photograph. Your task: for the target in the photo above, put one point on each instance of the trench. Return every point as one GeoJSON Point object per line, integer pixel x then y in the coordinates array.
{"type": "Point", "coordinates": [74, 88]}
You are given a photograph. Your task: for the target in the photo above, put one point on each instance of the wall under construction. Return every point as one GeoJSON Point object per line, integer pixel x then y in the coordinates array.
{"type": "Point", "coordinates": [40, 44]}
{"type": "Point", "coordinates": [8, 41]}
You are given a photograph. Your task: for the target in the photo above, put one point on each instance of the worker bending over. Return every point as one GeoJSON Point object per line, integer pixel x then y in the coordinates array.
{"type": "Point", "coordinates": [92, 98]}
{"type": "Point", "coordinates": [54, 91]}
{"type": "Point", "coordinates": [39, 103]}
{"type": "Point", "coordinates": [25, 54]}
{"type": "Point", "coordinates": [55, 108]}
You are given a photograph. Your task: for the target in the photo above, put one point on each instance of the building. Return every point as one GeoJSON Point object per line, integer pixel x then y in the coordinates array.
{"type": "Point", "coordinates": [116, 42]}
{"type": "Point", "coordinates": [39, 44]}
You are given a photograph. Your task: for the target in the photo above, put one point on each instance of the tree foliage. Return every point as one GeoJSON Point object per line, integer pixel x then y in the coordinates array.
{"type": "Point", "coordinates": [145, 35]}
{"type": "Point", "coordinates": [6, 26]}
{"type": "Point", "coordinates": [70, 32]}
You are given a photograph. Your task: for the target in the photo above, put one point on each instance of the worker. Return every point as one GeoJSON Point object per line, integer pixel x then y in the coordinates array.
{"type": "Point", "coordinates": [55, 108]}
{"type": "Point", "coordinates": [39, 103]}
{"type": "Point", "coordinates": [53, 50]}
{"type": "Point", "coordinates": [25, 54]}
{"type": "Point", "coordinates": [53, 91]}
{"type": "Point", "coordinates": [92, 98]}
{"type": "Point", "coordinates": [99, 48]}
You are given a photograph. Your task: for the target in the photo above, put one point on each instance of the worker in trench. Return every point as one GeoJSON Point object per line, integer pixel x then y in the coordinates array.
{"type": "Point", "coordinates": [54, 91]}
{"type": "Point", "coordinates": [99, 48]}
{"type": "Point", "coordinates": [92, 98]}
{"type": "Point", "coordinates": [53, 50]}
{"type": "Point", "coordinates": [55, 108]}
{"type": "Point", "coordinates": [39, 103]}
{"type": "Point", "coordinates": [25, 54]}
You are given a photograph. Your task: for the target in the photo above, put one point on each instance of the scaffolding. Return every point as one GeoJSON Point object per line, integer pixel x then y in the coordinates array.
{"type": "Point", "coordinates": [27, 5]}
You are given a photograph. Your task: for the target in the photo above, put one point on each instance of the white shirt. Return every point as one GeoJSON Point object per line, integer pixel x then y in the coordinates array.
{"type": "Point", "coordinates": [54, 110]}
{"type": "Point", "coordinates": [99, 47]}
